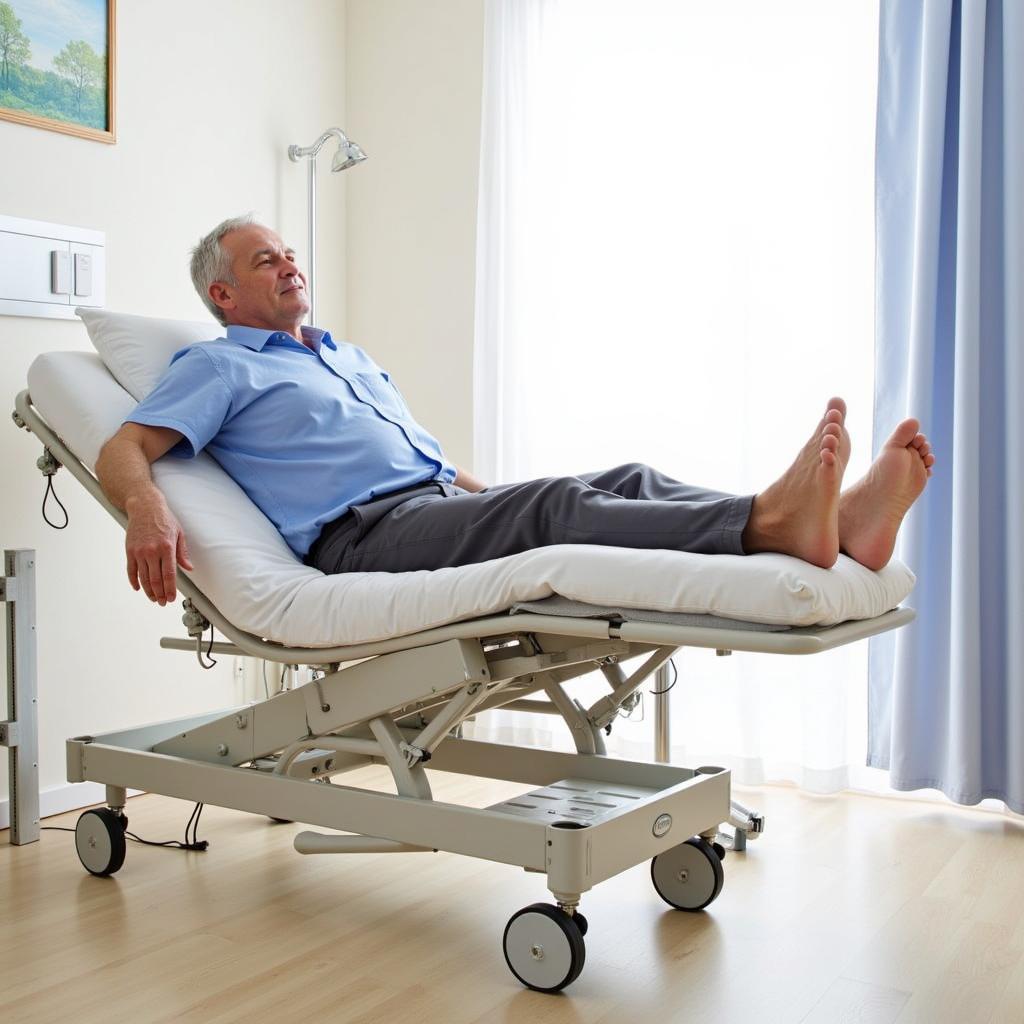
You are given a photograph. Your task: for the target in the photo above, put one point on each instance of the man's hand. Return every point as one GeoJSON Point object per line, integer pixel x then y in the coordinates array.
{"type": "Point", "coordinates": [467, 481]}
{"type": "Point", "coordinates": [155, 545]}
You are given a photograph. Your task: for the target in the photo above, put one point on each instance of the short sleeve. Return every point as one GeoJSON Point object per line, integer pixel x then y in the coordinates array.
{"type": "Point", "coordinates": [192, 397]}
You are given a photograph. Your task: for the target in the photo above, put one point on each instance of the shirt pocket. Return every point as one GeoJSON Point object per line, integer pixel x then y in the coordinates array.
{"type": "Point", "coordinates": [376, 390]}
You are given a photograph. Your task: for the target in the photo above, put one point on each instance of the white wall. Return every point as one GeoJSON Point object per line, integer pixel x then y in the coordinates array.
{"type": "Point", "coordinates": [209, 95]}
{"type": "Point", "coordinates": [414, 74]}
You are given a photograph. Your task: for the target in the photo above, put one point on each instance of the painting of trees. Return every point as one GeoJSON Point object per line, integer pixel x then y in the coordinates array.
{"type": "Point", "coordinates": [82, 66]}
{"type": "Point", "coordinates": [57, 65]}
{"type": "Point", "coordinates": [14, 44]}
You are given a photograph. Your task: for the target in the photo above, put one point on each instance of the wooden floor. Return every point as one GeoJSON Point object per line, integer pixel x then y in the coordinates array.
{"type": "Point", "coordinates": [847, 909]}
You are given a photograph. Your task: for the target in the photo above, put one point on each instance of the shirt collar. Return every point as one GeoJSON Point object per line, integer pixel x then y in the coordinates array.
{"type": "Point", "coordinates": [256, 338]}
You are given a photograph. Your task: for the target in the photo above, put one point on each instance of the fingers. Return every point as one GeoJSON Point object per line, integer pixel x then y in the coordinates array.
{"type": "Point", "coordinates": [154, 571]}
{"type": "Point", "coordinates": [133, 572]}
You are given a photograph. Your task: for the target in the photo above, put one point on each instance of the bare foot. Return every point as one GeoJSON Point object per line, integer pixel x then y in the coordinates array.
{"type": "Point", "coordinates": [870, 512]}
{"type": "Point", "coordinates": [798, 514]}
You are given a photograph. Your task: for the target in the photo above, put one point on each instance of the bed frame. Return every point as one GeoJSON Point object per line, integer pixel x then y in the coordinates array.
{"type": "Point", "coordinates": [401, 703]}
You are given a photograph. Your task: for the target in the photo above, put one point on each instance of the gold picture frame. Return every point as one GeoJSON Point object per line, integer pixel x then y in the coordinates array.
{"type": "Point", "coordinates": [77, 65]}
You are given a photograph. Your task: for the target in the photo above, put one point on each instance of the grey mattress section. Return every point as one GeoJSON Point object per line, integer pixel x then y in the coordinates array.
{"type": "Point", "coordinates": [558, 605]}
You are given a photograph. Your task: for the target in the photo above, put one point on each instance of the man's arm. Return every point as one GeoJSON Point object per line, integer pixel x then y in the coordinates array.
{"type": "Point", "coordinates": [154, 542]}
{"type": "Point", "coordinates": [467, 481]}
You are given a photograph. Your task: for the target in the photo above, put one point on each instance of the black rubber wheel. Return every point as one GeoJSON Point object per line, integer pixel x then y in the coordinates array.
{"type": "Point", "coordinates": [581, 922]}
{"type": "Point", "coordinates": [100, 842]}
{"type": "Point", "coordinates": [544, 947]}
{"type": "Point", "coordinates": [689, 876]}
{"type": "Point", "coordinates": [719, 849]}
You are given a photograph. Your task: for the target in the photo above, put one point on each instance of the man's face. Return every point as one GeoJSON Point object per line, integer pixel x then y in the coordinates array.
{"type": "Point", "coordinates": [271, 290]}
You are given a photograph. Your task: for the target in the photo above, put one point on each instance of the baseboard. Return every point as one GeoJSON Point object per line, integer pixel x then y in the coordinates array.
{"type": "Point", "coordinates": [70, 797]}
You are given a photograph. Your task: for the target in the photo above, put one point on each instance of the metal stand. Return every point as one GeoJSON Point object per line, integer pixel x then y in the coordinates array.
{"type": "Point", "coordinates": [20, 733]}
{"type": "Point", "coordinates": [662, 726]}
{"type": "Point", "coordinates": [746, 824]}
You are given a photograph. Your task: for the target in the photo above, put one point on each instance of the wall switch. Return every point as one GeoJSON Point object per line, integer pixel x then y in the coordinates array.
{"type": "Point", "coordinates": [83, 273]}
{"type": "Point", "coordinates": [39, 277]}
{"type": "Point", "coordinates": [60, 272]}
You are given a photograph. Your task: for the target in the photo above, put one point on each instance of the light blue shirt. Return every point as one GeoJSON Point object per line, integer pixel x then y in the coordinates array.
{"type": "Point", "coordinates": [306, 432]}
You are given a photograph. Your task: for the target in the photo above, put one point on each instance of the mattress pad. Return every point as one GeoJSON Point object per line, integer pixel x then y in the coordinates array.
{"type": "Point", "coordinates": [244, 567]}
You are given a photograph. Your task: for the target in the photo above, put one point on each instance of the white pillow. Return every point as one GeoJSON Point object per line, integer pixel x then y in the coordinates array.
{"type": "Point", "coordinates": [138, 349]}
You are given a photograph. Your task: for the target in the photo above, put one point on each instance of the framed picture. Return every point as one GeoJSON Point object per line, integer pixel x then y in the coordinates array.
{"type": "Point", "coordinates": [57, 60]}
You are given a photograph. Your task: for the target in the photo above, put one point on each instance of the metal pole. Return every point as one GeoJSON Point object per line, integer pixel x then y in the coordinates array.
{"type": "Point", "coordinates": [311, 272]}
{"type": "Point", "coordinates": [662, 726]}
{"type": "Point", "coordinates": [20, 733]}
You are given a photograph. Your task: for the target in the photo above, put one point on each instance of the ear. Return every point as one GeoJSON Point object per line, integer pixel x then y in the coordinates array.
{"type": "Point", "coordinates": [221, 295]}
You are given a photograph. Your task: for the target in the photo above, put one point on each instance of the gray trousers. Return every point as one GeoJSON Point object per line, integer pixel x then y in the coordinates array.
{"type": "Point", "coordinates": [436, 525]}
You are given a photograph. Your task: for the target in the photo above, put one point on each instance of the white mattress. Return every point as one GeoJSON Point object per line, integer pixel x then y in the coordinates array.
{"type": "Point", "coordinates": [244, 566]}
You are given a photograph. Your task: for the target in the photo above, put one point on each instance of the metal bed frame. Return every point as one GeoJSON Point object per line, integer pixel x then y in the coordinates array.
{"type": "Point", "coordinates": [401, 702]}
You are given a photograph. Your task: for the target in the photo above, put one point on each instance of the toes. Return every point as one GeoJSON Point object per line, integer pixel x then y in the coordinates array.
{"type": "Point", "coordinates": [837, 404]}
{"type": "Point", "coordinates": [919, 440]}
{"type": "Point", "coordinates": [834, 416]}
{"type": "Point", "coordinates": [830, 443]}
{"type": "Point", "coordinates": [828, 457]}
{"type": "Point", "coordinates": [905, 433]}
{"type": "Point", "coordinates": [832, 430]}
{"type": "Point", "coordinates": [929, 461]}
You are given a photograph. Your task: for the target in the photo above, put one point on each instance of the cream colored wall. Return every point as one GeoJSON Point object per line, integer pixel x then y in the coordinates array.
{"type": "Point", "coordinates": [209, 96]}
{"type": "Point", "coordinates": [414, 74]}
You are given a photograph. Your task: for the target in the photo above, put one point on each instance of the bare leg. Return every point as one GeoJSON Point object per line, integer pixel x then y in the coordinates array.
{"type": "Point", "coordinates": [799, 513]}
{"type": "Point", "coordinates": [871, 512]}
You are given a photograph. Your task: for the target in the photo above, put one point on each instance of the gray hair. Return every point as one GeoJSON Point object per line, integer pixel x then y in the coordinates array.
{"type": "Point", "coordinates": [211, 263]}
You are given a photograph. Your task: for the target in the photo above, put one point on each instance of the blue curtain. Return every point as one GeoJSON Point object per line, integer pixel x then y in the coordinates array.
{"type": "Point", "coordinates": [946, 695]}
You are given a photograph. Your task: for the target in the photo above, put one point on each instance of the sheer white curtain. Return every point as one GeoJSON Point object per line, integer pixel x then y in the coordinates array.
{"type": "Point", "coordinates": [675, 266]}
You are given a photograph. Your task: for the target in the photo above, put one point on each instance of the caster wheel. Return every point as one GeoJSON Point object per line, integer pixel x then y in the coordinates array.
{"type": "Point", "coordinates": [581, 922]}
{"type": "Point", "coordinates": [544, 947]}
{"type": "Point", "coordinates": [689, 876]}
{"type": "Point", "coordinates": [719, 849]}
{"type": "Point", "coordinates": [99, 840]}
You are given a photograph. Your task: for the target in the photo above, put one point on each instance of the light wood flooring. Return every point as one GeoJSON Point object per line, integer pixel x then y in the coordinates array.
{"type": "Point", "coordinates": [848, 909]}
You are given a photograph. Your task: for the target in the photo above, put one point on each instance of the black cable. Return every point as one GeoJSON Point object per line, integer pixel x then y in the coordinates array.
{"type": "Point", "coordinates": [209, 647]}
{"type": "Point", "coordinates": [675, 679]}
{"type": "Point", "coordinates": [46, 496]}
{"type": "Point", "coordinates": [192, 842]}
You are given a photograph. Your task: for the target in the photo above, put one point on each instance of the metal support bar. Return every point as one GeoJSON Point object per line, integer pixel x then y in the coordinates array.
{"type": "Point", "coordinates": [318, 842]}
{"type": "Point", "coordinates": [604, 711]}
{"type": "Point", "coordinates": [662, 724]}
{"type": "Point", "coordinates": [21, 734]}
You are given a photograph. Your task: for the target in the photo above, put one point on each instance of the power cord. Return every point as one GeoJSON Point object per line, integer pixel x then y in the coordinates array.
{"type": "Point", "coordinates": [675, 679]}
{"type": "Point", "coordinates": [46, 497]}
{"type": "Point", "coordinates": [192, 840]}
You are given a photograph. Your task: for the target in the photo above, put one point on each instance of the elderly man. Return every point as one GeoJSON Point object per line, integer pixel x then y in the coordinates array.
{"type": "Point", "coordinates": [322, 441]}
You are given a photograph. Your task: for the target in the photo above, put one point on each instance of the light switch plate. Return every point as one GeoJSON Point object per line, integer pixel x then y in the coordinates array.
{"type": "Point", "coordinates": [83, 273]}
{"type": "Point", "coordinates": [60, 272]}
{"type": "Point", "coordinates": [37, 272]}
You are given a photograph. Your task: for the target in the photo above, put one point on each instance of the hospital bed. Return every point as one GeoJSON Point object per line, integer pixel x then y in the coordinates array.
{"type": "Point", "coordinates": [401, 661]}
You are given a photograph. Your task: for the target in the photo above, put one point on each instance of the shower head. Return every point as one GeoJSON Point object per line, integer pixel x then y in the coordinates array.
{"type": "Point", "coordinates": [348, 152]}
